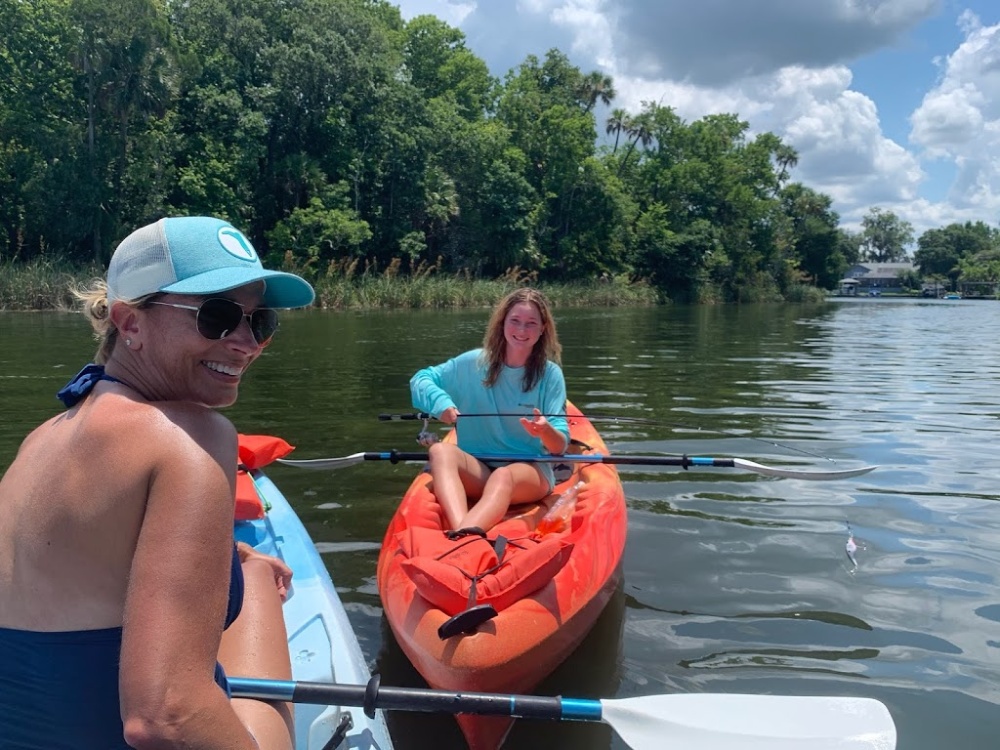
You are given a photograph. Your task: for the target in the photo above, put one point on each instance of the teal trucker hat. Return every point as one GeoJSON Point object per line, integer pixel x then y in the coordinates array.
{"type": "Point", "coordinates": [197, 255]}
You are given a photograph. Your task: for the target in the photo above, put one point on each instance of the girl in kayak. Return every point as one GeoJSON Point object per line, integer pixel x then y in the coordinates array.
{"type": "Point", "coordinates": [515, 372]}
{"type": "Point", "coordinates": [118, 571]}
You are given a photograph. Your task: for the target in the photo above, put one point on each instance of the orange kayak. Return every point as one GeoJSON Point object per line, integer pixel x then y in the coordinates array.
{"type": "Point", "coordinates": [533, 599]}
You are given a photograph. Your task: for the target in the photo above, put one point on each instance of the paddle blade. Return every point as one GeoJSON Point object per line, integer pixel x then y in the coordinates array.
{"type": "Point", "coordinates": [750, 722]}
{"type": "Point", "coordinates": [772, 471]}
{"type": "Point", "coordinates": [324, 464]}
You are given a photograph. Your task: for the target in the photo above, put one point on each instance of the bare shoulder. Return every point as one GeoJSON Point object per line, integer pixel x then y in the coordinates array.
{"type": "Point", "coordinates": [191, 429]}
{"type": "Point", "coordinates": [175, 431]}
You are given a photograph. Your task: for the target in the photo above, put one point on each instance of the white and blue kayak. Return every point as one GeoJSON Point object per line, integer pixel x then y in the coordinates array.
{"type": "Point", "coordinates": [321, 642]}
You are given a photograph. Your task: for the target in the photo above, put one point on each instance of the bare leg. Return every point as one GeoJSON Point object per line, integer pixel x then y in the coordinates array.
{"type": "Point", "coordinates": [509, 485]}
{"type": "Point", "coordinates": [456, 475]}
{"type": "Point", "coordinates": [256, 645]}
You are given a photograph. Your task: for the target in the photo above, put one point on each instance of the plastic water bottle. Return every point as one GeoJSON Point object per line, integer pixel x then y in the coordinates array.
{"type": "Point", "coordinates": [557, 519]}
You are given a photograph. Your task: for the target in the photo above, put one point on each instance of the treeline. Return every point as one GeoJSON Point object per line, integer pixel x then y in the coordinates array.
{"type": "Point", "coordinates": [335, 133]}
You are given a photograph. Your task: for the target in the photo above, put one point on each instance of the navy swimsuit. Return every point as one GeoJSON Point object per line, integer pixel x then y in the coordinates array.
{"type": "Point", "coordinates": [59, 690]}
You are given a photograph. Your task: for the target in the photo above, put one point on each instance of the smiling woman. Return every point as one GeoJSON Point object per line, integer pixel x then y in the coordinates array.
{"type": "Point", "coordinates": [516, 371]}
{"type": "Point", "coordinates": [118, 573]}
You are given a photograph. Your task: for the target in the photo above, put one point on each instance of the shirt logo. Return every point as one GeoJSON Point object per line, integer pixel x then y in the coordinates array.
{"type": "Point", "coordinates": [234, 243]}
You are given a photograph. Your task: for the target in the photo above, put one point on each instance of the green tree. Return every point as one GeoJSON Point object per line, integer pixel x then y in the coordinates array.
{"type": "Point", "coordinates": [124, 61]}
{"type": "Point", "coordinates": [596, 87]}
{"type": "Point", "coordinates": [540, 105]}
{"type": "Point", "coordinates": [40, 130]}
{"type": "Point", "coordinates": [638, 129]}
{"type": "Point", "coordinates": [326, 230]}
{"type": "Point", "coordinates": [814, 238]}
{"type": "Point", "coordinates": [849, 245]}
{"type": "Point", "coordinates": [884, 236]}
{"type": "Point", "coordinates": [981, 268]}
{"type": "Point", "coordinates": [940, 251]}
{"type": "Point", "coordinates": [83, 121]}
{"type": "Point", "coordinates": [617, 123]}
{"type": "Point", "coordinates": [440, 65]}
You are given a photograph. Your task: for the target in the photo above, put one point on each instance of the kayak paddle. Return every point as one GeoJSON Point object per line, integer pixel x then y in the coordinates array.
{"type": "Point", "coordinates": [695, 721]}
{"type": "Point", "coordinates": [423, 416]}
{"type": "Point", "coordinates": [595, 458]}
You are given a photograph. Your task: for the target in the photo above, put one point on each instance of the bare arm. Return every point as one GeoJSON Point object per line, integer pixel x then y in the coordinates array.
{"type": "Point", "coordinates": [177, 596]}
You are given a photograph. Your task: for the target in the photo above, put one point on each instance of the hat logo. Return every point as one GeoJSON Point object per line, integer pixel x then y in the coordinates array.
{"type": "Point", "coordinates": [234, 243]}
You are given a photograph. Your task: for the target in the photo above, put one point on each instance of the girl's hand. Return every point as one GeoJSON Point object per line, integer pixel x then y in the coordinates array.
{"type": "Point", "coordinates": [449, 415]}
{"type": "Point", "coordinates": [536, 425]}
{"type": "Point", "coordinates": [282, 573]}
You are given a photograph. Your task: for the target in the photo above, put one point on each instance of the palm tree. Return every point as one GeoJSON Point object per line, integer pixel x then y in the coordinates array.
{"type": "Point", "coordinates": [596, 86]}
{"type": "Point", "coordinates": [640, 130]}
{"type": "Point", "coordinates": [786, 158]}
{"type": "Point", "coordinates": [617, 122]}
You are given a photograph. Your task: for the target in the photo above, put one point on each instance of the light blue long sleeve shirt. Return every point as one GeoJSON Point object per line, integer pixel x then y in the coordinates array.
{"type": "Point", "coordinates": [459, 383]}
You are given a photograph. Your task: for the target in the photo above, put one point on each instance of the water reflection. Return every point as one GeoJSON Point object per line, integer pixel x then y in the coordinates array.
{"type": "Point", "coordinates": [733, 582]}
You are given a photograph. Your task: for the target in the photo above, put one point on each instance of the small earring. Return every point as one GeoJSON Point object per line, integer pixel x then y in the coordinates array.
{"type": "Point", "coordinates": [128, 343]}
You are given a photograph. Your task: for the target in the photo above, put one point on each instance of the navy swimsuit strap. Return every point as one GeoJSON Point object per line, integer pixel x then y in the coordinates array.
{"type": "Point", "coordinates": [83, 383]}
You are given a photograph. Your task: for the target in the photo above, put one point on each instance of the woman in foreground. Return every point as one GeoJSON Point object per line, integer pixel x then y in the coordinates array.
{"type": "Point", "coordinates": [515, 372]}
{"type": "Point", "coordinates": [118, 572]}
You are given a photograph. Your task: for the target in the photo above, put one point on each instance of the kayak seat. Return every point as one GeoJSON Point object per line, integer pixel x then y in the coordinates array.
{"type": "Point", "coordinates": [474, 615]}
{"type": "Point", "coordinates": [471, 572]}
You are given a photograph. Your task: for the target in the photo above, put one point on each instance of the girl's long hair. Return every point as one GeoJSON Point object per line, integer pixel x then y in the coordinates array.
{"type": "Point", "coordinates": [495, 345]}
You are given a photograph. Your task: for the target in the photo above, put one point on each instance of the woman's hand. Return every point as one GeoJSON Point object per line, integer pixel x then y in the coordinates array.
{"type": "Point", "coordinates": [536, 425]}
{"type": "Point", "coordinates": [449, 415]}
{"type": "Point", "coordinates": [282, 573]}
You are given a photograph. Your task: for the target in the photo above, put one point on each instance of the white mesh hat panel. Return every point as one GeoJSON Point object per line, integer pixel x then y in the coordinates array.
{"type": "Point", "coordinates": [196, 255]}
{"type": "Point", "coordinates": [141, 264]}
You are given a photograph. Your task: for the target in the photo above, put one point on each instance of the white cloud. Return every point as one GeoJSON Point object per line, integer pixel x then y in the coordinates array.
{"type": "Point", "coordinates": [713, 42]}
{"type": "Point", "coordinates": [836, 131]}
{"type": "Point", "coordinates": [782, 65]}
{"type": "Point", "coordinates": [959, 119]}
{"type": "Point", "coordinates": [946, 119]}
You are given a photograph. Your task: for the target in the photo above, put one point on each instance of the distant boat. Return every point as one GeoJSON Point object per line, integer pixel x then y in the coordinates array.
{"type": "Point", "coordinates": [952, 295]}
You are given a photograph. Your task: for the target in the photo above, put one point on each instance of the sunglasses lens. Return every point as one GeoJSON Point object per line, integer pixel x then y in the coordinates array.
{"type": "Point", "coordinates": [263, 323]}
{"type": "Point", "coordinates": [217, 318]}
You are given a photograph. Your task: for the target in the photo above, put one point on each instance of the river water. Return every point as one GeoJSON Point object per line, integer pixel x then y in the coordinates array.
{"type": "Point", "coordinates": [733, 582]}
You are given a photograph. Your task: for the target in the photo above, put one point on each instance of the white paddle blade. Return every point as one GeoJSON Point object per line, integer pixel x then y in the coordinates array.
{"type": "Point", "coordinates": [750, 722]}
{"type": "Point", "coordinates": [771, 471]}
{"type": "Point", "coordinates": [325, 464]}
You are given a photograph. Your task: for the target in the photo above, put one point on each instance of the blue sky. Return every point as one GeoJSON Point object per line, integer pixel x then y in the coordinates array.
{"type": "Point", "coordinates": [890, 103]}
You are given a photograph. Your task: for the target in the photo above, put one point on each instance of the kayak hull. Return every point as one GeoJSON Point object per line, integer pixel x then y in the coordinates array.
{"type": "Point", "coordinates": [528, 639]}
{"type": "Point", "coordinates": [321, 642]}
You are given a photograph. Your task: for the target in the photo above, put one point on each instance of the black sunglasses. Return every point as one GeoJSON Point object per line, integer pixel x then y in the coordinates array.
{"type": "Point", "coordinates": [218, 317]}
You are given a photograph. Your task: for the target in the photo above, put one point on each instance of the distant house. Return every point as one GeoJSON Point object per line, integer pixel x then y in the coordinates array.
{"type": "Point", "coordinates": [875, 277]}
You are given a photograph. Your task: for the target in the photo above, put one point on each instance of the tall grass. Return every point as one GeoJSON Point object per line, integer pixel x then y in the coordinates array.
{"type": "Point", "coordinates": [348, 284]}
{"type": "Point", "coordinates": [41, 284]}
{"type": "Point", "coordinates": [804, 293]}
{"type": "Point", "coordinates": [354, 284]}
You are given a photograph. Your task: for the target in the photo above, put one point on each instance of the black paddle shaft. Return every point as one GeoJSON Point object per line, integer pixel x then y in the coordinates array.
{"type": "Point", "coordinates": [682, 461]}
{"type": "Point", "coordinates": [426, 700]}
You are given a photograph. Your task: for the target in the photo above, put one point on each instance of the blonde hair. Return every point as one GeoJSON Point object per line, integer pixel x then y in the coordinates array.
{"type": "Point", "coordinates": [93, 300]}
{"type": "Point", "coordinates": [495, 345]}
